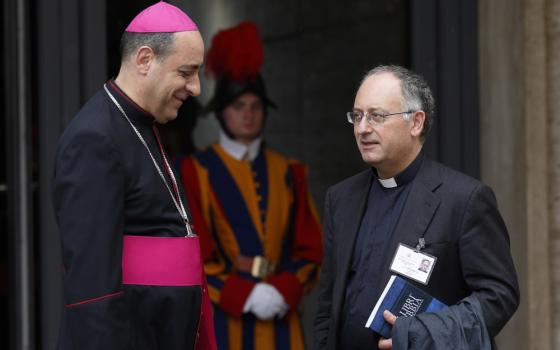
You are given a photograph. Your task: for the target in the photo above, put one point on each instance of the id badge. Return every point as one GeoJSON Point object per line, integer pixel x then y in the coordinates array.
{"type": "Point", "coordinates": [413, 264]}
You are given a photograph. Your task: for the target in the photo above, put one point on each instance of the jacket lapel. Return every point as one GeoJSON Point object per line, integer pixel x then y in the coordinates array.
{"type": "Point", "coordinates": [420, 207]}
{"type": "Point", "coordinates": [354, 210]}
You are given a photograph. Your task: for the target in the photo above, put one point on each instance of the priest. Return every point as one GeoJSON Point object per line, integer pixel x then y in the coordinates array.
{"type": "Point", "coordinates": [133, 275]}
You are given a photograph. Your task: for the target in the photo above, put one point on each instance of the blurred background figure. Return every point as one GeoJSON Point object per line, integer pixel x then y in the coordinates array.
{"type": "Point", "coordinates": [259, 231]}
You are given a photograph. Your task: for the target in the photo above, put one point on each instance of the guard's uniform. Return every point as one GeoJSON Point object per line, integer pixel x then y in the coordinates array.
{"type": "Point", "coordinates": [244, 210]}
{"type": "Point", "coordinates": [133, 280]}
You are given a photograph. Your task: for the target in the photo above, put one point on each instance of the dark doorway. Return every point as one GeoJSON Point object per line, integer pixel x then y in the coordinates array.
{"type": "Point", "coordinates": [4, 238]}
{"type": "Point", "coordinates": [119, 13]}
{"type": "Point", "coordinates": [444, 49]}
{"type": "Point", "coordinates": [18, 179]}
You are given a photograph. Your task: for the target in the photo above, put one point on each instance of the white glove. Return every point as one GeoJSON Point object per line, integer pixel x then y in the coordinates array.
{"type": "Point", "coordinates": [279, 300]}
{"type": "Point", "coordinates": [265, 302]}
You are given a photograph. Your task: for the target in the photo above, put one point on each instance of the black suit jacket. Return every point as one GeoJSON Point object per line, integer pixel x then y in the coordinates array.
{"type": "Point", "coordinates": [459, 219]}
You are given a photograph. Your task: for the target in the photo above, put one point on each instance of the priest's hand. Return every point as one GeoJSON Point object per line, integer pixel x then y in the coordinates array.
{"type": "Point", "coordinates": [265, 302]}
{"type": "Point", "coordinates": [385, 344]}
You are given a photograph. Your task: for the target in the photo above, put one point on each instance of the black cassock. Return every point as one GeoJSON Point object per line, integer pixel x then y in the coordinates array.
{"type": "Point", "coordinates": [132, 280]}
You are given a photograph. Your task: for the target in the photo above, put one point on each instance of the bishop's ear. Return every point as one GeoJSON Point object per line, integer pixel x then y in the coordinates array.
{"type": "Point", "coordinates": [417, 119]}
{"type": "Point", "coordinates": [144, 58]}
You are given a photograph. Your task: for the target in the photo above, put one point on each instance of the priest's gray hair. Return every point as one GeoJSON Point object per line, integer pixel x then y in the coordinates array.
{"type": "Point", "coordinates": [160, 43]}
{"type": "Point", "coordinates": [415, 90]}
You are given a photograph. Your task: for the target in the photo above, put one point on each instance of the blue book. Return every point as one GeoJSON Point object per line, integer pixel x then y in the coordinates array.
{"type": "Point", "coordinates": [403, 300]}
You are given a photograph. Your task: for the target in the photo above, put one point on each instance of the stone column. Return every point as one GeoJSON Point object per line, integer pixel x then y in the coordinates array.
{"type": "Point", "coordinates": [536, 76]}
{"type": "Point", "coordinates": [515, 129]}
{"type": "Point", "coordinates": [553, 65]}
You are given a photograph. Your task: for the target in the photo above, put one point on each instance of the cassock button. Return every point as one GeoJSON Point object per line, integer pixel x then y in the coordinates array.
{"type": "Point", "coordinates": [259, 198]}
{"type": "Point", "coordinates": [257, 185]}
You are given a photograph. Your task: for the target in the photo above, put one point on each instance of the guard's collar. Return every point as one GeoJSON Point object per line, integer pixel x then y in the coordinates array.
{"type": "Point", "coordinates": [237, 149]}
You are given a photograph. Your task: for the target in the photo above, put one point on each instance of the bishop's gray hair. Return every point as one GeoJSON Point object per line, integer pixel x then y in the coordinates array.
{"type": "Point", "coordinates": [160, 43]}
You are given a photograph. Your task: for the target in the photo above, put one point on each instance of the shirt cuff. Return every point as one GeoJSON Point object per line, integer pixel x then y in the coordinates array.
{"type": "Point", "coordinates": [234, 293]}
{"type": "Point", "coordinates": [289, 286]}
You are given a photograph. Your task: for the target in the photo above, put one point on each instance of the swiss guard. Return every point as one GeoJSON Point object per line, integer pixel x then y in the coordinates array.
{"type": "Point", "coordinates": [133, 274]}
{"type": "Point", "coordinates": [259, 232]}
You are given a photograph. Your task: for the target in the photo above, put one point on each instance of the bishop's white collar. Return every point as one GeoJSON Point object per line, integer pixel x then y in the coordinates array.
{"type": "Point", "coordinates": [237, 149]}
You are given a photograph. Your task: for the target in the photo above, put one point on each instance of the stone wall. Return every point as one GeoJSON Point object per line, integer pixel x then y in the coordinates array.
{"type": "Point", "coordinates": [553, 65]}
{"type": "Point", "coordinates": [520, 130]}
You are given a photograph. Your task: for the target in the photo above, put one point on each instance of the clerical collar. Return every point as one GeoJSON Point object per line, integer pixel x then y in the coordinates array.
{"type": "Point", "coordinates": [136, 113]}
{"type": "Point", "coordinates": [238, 150]}
{"type": "Point", "coordinates": [404, 176]}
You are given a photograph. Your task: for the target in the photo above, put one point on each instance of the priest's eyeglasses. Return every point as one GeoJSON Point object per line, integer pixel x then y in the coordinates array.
{"type": "Point", "coordinates": [373, 118]}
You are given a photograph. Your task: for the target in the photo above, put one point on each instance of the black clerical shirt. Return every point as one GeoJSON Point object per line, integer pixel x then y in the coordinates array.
{"type": "Point", "coordinates": [384, 207]}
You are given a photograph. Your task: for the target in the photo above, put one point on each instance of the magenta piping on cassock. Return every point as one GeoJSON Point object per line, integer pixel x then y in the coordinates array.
{"type": "Point", "coordinates": [161, 261]}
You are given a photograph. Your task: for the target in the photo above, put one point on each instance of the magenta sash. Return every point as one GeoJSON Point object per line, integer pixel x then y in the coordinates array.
{"type": "Point", "coordinates": [161, 261]}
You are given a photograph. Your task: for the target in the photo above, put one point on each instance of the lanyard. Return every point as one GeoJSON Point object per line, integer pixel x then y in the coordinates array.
{"type": "Point", "coordinates": [177, 201]}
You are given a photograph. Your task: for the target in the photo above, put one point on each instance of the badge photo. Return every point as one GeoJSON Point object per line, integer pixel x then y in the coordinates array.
{"type": "Point", "coordinates": [413, 264]}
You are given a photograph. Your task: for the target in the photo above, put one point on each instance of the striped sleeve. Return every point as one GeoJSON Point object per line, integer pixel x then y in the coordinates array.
{"type": "Point", "coordinates": [301, 272]}
{"type": "Point", "coordinates": [226, 288]}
